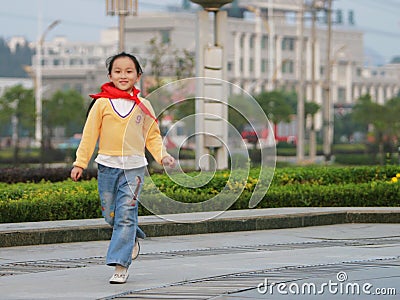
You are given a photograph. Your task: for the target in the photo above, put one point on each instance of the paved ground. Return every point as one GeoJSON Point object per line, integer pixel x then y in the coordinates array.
{"type": "Point", "coordinates": [332, 261]}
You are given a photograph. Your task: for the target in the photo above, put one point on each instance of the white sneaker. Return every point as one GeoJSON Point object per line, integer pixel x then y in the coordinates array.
{"type": "Point", "coordinates": [136, 250]}
{"type": "Point", "coordinates": [121, 274]}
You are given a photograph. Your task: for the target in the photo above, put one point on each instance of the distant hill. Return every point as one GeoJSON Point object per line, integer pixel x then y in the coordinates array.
{"type": "Point", "coordinates": [395, 60]}
{"type": "Point", "coordinates": [373, 58]}
{"type": "Point", "coordinates": [11, 64]}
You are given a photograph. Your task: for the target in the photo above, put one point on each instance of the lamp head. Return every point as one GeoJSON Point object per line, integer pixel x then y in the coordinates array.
{"type": "Point", "coordinates": [211, 5]}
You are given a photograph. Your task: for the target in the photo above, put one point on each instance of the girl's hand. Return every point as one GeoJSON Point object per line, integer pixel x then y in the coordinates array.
{"type": "Point", "coordinates": [76, 173]}
{"type": "Point", "coordinates": [168, 161]}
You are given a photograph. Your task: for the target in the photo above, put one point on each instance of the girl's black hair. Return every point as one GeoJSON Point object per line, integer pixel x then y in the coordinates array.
{"type": "Point", "coordinates": [111, 59]}
{"type": "Point", "coordinates": [109, 65]}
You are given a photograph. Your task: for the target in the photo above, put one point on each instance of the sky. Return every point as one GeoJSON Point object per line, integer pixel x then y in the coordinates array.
{"type": "Point", "coordinates": [83, 20]}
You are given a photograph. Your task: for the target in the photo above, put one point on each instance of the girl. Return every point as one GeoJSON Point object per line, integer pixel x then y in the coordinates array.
{"type": "Point", "coordinates": [124, 125]}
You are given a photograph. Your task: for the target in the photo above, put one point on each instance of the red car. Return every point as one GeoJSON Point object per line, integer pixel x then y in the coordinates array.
{"type": "Point", "coordinates": [252, 134]}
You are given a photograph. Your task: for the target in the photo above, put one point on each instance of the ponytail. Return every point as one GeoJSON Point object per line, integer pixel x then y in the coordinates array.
{"type": "Point", "coordinates": [90, 107]}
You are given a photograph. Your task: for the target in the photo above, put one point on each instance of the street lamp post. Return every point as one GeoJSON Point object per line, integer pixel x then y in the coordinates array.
{"type": "Point", "coordinates": [211, 66]}
{"type": "Point", "coordinates": [122, 8]}
{"type": "Point", "coordinates": [300, 92]}
{"type": "Point", "coordinates": [314, 7]}
{"type": "Point", "coordinates": [38, 90]}
{"type": "Point", "coordinates": [327, 110]}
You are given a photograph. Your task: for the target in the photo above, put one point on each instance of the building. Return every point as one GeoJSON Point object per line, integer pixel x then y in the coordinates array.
{"type": "Point", "coordinates": [8, 82]}
{"type": "Point", "coordinates": [71, 65]}
{"type": "Point", "coordinates": [263, 54]}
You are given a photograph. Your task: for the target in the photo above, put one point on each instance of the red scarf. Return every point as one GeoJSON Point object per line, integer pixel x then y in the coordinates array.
{"type": "Point", "coordinates": [108, 90]}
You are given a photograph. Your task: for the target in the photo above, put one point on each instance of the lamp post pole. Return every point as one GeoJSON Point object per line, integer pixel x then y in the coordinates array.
{"type": "Point", "coordinates": [122, 8]}
{"type": "Point", "coordinates": [300, 92]}
{"type": "Point", "coordinates": [38, 90]}
{"type": "Point", "coordinates": [327, 110]}
{"type": "Point", "coordinates": [211, 65]}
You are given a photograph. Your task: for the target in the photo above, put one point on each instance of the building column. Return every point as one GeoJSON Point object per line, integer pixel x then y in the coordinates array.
{"type": "Point", "coordinates": [364, 90]}
{"type": "Point", "coordinates": [237, 53]}
{"type": "Point", "coordinates": [308, 60]}
{"type": "Point", "coordinates": [356, 93]}
{"type": "Point", "coordinates": [372, 92]}
{"type": "Point", "coordinates": [318, 81]}
{"type": "Point", "coordinates": [389, 94]}
{"type": "Point", "coordinates": [278, 56]}
{"type": "Point", "coordinates": [396, 90]}
{"type": "Point", "coordinates": [257, 49]}
{"type": "Point", "coordinates": [349, 80]}
{"type": "Point", "coordinates": [246, 56]}
{"type": "Point", "coordinates": [334, 85]}
{"type": "Point", "coordinates": [380, 95]}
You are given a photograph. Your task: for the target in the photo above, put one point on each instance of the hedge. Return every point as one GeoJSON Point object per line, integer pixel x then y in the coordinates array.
{"type": "Point", "coordinates": [15, 175]}
{"type": "Point", "coordinates": [290, 187]}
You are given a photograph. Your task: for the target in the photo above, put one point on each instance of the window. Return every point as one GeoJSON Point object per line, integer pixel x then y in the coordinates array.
{"type": "Point", "coordinates": [165, 36]}
{"type": "Point", "coordinates": [263, 65]}
{"type": "Point", "coordinates": [264, 42]}
{"type": "Point", "coordinates": [288, 67]}
{"type": "Point", "coordinates": [341, 95]}
{"type": "Point", "coordinates": [288, 44]}
{"type": "Point", "coordinates": [79, 88]}
{"type": "Point", "coordinates": [76, 62]}
{"type": "Point", "coordinates": [251, 65]}
{"type": "Point", "coordinates": [66, 87]}
{"type": "Point", "coordinates": [93, 61]}
{"type": "Point", "coordinates": [252, 42]}
{"type": "Point", "coordinates": [229, 66]}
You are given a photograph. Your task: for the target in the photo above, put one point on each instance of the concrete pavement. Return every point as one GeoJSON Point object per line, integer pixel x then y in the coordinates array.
{"type": "Point", "coordinates": [35, 233]}
{"type": "Point", "coordinates": [231, 265]}
{"type": "Point", "coordinates": [294, 261]}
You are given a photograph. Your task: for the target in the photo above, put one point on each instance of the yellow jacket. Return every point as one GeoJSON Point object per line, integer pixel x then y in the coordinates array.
{"type": "Point", "coordinates": [119, 135]}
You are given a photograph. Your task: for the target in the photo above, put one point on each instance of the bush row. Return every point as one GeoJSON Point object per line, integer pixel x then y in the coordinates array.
{"type": "Point", "coordinates": [291, 187]}
{"type": "Point", "coordinates": [26, 202]}
{"type": "Point", "coordinates": [334, 175]}
{"type": "Point", "coordinates": [14, 175]}
{"type": "Point", "coordinates": [282, 176]}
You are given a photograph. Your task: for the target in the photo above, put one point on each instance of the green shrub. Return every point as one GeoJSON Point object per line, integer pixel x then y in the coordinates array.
{"type": "Point", "coordinates": [14, 175]}
{"type": "Point", "coordinates": [356, 159]}
{"type": "Point", "coordinates": [290, 187]}
{"type": "Point", "coordinates": [349, 149]}
{"type": "Point", "coordinates": [25, 202]}
{"type": "Point", "coordinates": [333, 175]}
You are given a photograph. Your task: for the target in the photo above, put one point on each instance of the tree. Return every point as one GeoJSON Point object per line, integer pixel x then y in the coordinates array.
{"type": "Point", "coordinates": [275, 106]}
{"type": "Point", "coordinates": [17, 109]}
{"type": "Point", "coordinates": [184, 65]}
{"type": "Point", "coordinates": [11, 63]}
{"type": "Point", "coordinates": [393, 122]}
{"type": "Point", "coordinates": [64, 109]}
{"type": "Point", "coordinates": [380, 117]}
{"type": "Point", "coordinates": [395, 60]}
{"type": "Point", "coordinates": [165, 60]}
{"type": "Point", "coordinates": [346, 126]}
{"type": "Point", "coordinates": [158, 59]}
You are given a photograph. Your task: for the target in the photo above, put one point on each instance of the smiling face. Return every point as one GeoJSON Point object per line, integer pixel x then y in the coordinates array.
{"type": "Point", "coordinates": [124, 74]}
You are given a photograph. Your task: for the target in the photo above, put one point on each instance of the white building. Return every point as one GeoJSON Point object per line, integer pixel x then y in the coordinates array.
{"type": "Point", "coordinates": [8, 82]}
{"type": "Point", "coordinates": [263, 54]}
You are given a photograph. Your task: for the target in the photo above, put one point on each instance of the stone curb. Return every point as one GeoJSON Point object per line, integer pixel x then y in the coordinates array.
{"type": "Point", "coordinates": [37, 233]}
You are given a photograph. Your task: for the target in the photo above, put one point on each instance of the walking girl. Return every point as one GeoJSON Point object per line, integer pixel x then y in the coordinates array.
{"type": "Point", "coordinates": [123, 124]}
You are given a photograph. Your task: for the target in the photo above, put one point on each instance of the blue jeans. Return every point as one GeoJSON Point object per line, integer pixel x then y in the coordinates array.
{"type": "Point", "coordinates": [119, 192]}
